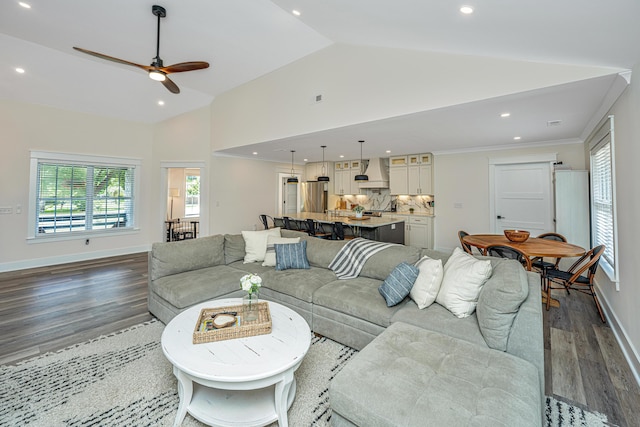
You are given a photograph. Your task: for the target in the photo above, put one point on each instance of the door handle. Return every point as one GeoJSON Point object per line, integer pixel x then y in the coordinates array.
{"type": "Point", "coordinates": [500, 217]}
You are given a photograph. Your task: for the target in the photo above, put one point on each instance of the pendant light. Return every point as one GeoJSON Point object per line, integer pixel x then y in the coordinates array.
{"type": "Point", "coordinates": [361, 176]}
{"type": "Point", "coordinates": [323, 177]}
{"type": "Point", "coordinates": [292, 179]}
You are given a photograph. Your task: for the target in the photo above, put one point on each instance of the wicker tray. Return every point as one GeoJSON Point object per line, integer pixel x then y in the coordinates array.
{"type": "Point", "coordinates": [260, 326]}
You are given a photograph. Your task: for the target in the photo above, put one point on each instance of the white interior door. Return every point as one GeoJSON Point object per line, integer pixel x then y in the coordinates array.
{"type": "Point", "coordinates": [523, 198]}
{"type": "Point", "coordinates": [290, 200]}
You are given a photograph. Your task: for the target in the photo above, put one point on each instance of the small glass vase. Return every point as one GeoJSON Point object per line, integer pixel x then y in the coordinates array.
{"type": "Point", "coordinates": [250, 307]}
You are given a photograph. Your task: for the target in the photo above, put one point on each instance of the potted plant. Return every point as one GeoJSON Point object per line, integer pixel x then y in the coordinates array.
{"type": "Point", "coordinates": [358, 209]}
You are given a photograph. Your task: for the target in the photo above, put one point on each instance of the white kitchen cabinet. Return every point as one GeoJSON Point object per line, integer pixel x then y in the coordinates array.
{"type": "Point", "coordinates": [420, 232]}
{"type": "Point", "coordinates": [572, 206]}
{"type": "Point", "coordinates": [410, 175]}
{"type": "Point", "coordinates": [419, 174]}
{"type": "Point", "coordinates": [344, 177]}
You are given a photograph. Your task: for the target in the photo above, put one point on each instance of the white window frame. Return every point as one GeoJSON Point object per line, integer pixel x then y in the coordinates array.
{"type": "Point", "coordinates": [45, 156]}
{"type": "Point", "coordinates": [600, 139]}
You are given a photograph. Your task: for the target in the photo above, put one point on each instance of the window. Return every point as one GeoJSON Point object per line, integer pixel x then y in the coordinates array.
{"type": "Point", "coordinates": [192, 191]}
{"type": "Point", "coordinates": [603, 207]}
{"type": "Point", "coordinates": [73, 194]}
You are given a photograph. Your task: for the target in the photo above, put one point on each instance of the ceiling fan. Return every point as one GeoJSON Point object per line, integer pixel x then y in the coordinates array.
{"type": "Point", "coordinates": [157, 71]}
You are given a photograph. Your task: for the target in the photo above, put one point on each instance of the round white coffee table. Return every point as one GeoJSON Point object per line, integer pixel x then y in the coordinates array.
{"type": "Point", "coordinates": [239, 382]}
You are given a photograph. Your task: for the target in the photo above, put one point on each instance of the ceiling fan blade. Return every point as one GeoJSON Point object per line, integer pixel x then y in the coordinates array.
{"type": "Point", "coordinates": [185, 66]}
{"type": "Point", "coordinates": [111, 58]}
{"type": "Point", "coordinates": [173, 88]}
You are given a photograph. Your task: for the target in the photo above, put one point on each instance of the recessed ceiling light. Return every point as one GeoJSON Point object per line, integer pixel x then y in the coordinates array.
{"type": "Point", "coordinates": [255, 153]}
{"type": "Point", "coordinates": [160, 102]}
{"type": "Point", "coordinates": [296, 12]}
{"type": "Point", "coordinates": [388, 151]}
{"type": "Point", "coordinates": [342, 156]}
{"type": "Point", "coordinates": [467, 10]}
{"type": "Point", "coordinates": [20, 70]}
{"type": "Point", "coordinates": [505, 114]}
{"type": "Point", "coordinates": [306, 160]}
{"type": "Point", "coordinates": [516, 138]}
{"type": "Point", "coordinates": [25, 5]}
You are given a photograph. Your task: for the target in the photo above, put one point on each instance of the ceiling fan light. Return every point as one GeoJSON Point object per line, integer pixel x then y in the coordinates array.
{"type": "Point", "coordinates": [158, 76]}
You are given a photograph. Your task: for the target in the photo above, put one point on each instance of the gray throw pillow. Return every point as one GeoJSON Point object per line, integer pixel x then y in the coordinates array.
{"type": "Point", "coordinates": [291, 255]}
{"type": "Point", "coordinates": [398, 284]}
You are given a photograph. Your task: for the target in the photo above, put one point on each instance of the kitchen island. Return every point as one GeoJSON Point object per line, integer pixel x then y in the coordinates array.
{"type": "Point", "coordinates": [382, 229]}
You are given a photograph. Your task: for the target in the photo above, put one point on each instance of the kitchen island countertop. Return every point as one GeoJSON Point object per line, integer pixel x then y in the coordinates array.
{"type": "Point", "coordinates": [371, 222]}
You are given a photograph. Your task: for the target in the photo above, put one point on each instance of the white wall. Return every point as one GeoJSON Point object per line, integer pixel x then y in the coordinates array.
{"type": "Point", "coordinates": [242, 189]}
{"type": "Point", "coordinates": [361, 84]}
{"type": "Point", "coordinates": [25, 127]}
{"type": "Point", "coordinates": [625, 303]}
{"type": "Point", "coordinates": [464, 178]}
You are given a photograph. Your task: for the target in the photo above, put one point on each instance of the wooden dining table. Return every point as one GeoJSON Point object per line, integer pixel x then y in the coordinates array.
{"type": "Point", "coordinates": [532, 247]}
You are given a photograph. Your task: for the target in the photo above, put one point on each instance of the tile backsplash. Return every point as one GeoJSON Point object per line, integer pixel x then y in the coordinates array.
{"type": "Point", "coordinates": [381, 201]}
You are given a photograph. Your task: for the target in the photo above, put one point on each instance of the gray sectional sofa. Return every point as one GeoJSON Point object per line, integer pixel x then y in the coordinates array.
{"type": "Point", "coordinates": [419, 367]}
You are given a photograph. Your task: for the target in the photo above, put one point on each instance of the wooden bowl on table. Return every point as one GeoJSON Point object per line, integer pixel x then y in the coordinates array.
{"type": "Point", "coordinates": [516, 236]}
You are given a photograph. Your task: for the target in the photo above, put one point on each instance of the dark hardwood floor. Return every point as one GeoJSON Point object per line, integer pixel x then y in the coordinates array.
{"type": "Point", "coordinates": [47, 309]}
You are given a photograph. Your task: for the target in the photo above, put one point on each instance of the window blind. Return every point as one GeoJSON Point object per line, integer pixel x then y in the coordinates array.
{"type": "Point", "coordinates": [72, 198]}
{"type": "Point", "coordinates": [603, 200]}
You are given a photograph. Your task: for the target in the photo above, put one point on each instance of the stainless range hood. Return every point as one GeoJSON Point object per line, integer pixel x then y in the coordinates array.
{"type": "Point", "coordinates": [378, 173]}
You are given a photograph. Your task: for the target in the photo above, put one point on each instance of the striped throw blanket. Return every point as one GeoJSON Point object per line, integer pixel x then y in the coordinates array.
{"type": "Point", "coordinates": [349, 261]}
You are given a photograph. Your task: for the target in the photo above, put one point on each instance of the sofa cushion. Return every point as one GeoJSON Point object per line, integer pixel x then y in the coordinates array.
{"type": "Point", "coordinates": [255, 243]}
{"type": "Point", "coordinates": [270, 255]}
{"type": "Point", "coordinates": [233, 248]}
{"type": "Point", "coordinates": [463, 279]}
{"type": "Point", "coordinates": [398, 284]}
{"type": "Point", "coordinates": [300, 284]}
{"type": "Point", "coordinates": [438, 319]}
{"type": "Point", "coordinates": [499, 302]}
{"type": "Point", "coordinates": [185, 289]}
{"type": "Point", "coordinates": [291, 255]}
{"type": "Point", "coordinates": [320, 252]}
{"type": "Point", "coordinates": [415, 377]}
{"type": "Point", "coordinates": [175, 257]}
{"type": "Point", "coordinates": [427, 284]}
{"type": "Point", "coordinates": [380, 265]}
{"type": "Point", "coordinates": [357, 297]}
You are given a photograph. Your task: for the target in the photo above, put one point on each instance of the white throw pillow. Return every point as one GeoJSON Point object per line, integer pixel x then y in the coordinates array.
{"type": "Point", "coordinates": [270, 256]}
{"type": "Point", "coordinates": [255, 243]}
{"type": "Point", "coordinates": [426, 287]}
{"type": "Point", "coordinates": [463, 279]}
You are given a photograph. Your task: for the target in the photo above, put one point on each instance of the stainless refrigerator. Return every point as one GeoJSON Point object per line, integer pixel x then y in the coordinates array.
{"type": "Point", "coordinates": [313, 196]}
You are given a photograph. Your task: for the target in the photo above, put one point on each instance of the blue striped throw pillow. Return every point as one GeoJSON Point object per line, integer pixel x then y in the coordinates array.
{"type": "Point", "coordinates": [398, 284]}
{"type": "Point", "coordinates": [291, 255]}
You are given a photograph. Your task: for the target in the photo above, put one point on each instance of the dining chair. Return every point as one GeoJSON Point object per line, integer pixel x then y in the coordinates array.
{"type": "Point", "coordinates": [502, 251]}
{"type": "Point", "coordinates": [265, 221]}
{"type": "Point", "coordinates": [467, 247]}
{"type": "Point", "coordinates": [573, 279]}
{"type": "Point", "coordinates": [338, 231]}
{"type": "Point", "coordinates": [314, 229]}
{"type": "Point", "coordinates": [542, 266]}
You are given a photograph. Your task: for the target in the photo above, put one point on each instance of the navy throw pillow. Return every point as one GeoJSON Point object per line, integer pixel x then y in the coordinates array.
{"type": "Point", "coordinates": [398, 284]}
{"type": "Point", "coordinates": [291, 255]}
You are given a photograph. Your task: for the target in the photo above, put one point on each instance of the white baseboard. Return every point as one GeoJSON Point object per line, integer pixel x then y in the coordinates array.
{"type": "Point", "coordinates": [63, 259]}
{"type": "Point", "coordinates": [628, 350]}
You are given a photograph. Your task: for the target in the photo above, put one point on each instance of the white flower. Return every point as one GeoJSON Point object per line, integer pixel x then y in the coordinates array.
{"type": "Point", "coordinates": [250, 283]}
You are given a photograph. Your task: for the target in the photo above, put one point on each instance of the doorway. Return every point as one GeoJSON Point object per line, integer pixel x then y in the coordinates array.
{"type": "Point", "coordinates": [288, 195]}
{"type": "Point", "coordinates": [184, 195]}
{"type": "Point", "coordinates": [521, 194]}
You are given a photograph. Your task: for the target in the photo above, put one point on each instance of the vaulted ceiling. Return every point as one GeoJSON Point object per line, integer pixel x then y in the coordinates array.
{"type": "Point", "coordinates": [243, 40]}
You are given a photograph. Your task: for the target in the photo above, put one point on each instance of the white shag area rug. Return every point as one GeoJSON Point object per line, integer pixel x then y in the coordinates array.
{"type": "Point", "coordinates": [123, 379]}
